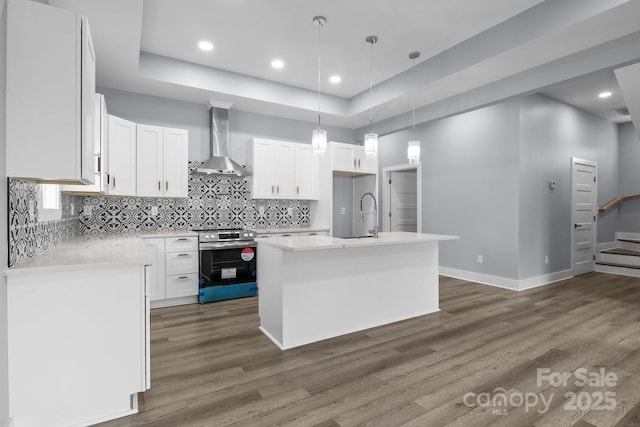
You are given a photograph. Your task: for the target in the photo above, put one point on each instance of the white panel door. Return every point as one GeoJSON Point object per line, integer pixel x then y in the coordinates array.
{"type": "Point", "coordinates": [149, 161]}
{"type": "Point", "coordinates": [583, 204]}
{"type": "Point", "coordinates": [176, 163]}
{"type": "Point", "coordinates": [403, 201]}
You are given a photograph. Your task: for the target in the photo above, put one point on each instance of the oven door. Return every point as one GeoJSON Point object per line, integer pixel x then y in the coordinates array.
{"type": "Point", "coordinates": [227, 263]}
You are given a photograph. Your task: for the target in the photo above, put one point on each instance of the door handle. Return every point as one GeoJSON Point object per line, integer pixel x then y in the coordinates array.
{"type": "Point", "coordinates": [576, 225]}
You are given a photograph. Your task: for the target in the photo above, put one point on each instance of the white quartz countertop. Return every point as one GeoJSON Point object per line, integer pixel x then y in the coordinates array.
{"type": "Point", "coordinates": [306, 243]}
{"type": "Point", "coordinates": [289, 230]}
{"type": "Point", "coordinates": [85, 252]}
{"type": "Point", "coordinates": [169, 234]}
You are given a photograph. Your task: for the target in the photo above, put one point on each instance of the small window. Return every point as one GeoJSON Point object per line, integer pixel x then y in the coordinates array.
{"type": "Point", "coordinates": [49, 205]}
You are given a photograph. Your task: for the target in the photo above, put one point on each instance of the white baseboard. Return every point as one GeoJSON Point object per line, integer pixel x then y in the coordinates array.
{"type": "Point", "coordinates": [162, 303]}
{"type": "Point", "coordinates": [505, 283]}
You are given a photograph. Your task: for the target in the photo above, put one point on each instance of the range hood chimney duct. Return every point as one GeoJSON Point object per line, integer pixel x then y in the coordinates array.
{"type": "Point", "coordinates": [219, 162]}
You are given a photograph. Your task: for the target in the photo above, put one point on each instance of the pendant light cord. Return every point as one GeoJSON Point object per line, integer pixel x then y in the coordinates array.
{"type": "Point", "coordinates": [414, 99]}
{"type": "Point", "coordinates": [371, 87]}
{"type": "Point", "coordinates": [320, 23]}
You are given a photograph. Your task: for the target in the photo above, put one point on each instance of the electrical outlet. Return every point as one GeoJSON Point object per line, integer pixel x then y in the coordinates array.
{"type": "Point", "coordinates": [289, 212]}
{"type": "Point", "coordinates": [73, 208]}
{"type": "Point", "coordinates": [343, 211]}
{"type": "Point", "coordinates": [154, 210]}
{"type": "Point", "coordinates": [546, 259]}
{"type": "Point", "coordinates": [87, 210]}
{"type": "Point", "coordinates": [32, 211]}
{"type": "Point", "coordinates": [479, 259]}
{"type": "Point", "coordinates": [261, 210]}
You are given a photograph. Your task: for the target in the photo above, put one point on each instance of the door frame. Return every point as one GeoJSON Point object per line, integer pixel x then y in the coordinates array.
{"type": "Point", "coordinates": [386, 196]}
{"type": "Point", "coordinates": [574, 161]}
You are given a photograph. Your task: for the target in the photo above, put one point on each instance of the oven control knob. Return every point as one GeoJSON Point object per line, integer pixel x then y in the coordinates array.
{"type": "Point", "coordinates": [246, 235]}
{"type": "Point", "coordinates": [206, 236]}
{"type": "Point", "coordinates": [250, 234]}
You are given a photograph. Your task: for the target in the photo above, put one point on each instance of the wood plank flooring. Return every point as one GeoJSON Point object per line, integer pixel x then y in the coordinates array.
{"type": "Point", "coordinates": [211, 366]}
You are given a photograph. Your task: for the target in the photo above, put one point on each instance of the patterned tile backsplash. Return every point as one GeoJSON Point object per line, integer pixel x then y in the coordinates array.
{"type": "Point", "coordinates": [214, 202]}
{"type": "Point", "coordinates": [27, 236]}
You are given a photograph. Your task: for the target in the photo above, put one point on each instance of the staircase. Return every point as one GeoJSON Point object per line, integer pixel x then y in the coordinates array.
{"type": "Point", "coordinates": [623, 259]}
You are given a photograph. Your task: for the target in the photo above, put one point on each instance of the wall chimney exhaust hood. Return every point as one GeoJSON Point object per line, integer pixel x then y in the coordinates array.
{"type": "Point", "coordinates": [219, 162]}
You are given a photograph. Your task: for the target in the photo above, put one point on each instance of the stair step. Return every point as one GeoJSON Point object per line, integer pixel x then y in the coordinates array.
{"type": "Point", "coordinates": [621, 251]}
{"type": "Point", "coordinates": [624, 239]}
{"type": "Point", "coordinates": [616, 264]}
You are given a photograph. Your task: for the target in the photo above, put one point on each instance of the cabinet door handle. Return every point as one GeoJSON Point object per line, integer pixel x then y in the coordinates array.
{"type": "Point", "coordinates": [166, 186]}
{"type": "Point", "coordinates": [297, 189]}
{"type": "Point", "coordinates": [183, 277]}
{"type": "Point", "coordinates": [99, 163]}
{"type": "Point", "coordinates": [113, 181]}
{"type": "Point", "coordinates": [159, 184]}
{"type": "Point", "coordinates": [272, 189]}
{"type": "Point", "coordinates": [184, 255]}
{"type": "Point", "coordinates": [182, 239]}
{"type": "Point", "coordinates": [354, 163]}
{"type": "Point", "coordinates": [278, 188]}
{"type": "Point", "coordinates": [358, 162]}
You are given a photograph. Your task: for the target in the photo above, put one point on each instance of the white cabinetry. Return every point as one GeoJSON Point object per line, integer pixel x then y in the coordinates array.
{"type": "Point", "coordinates": [82, 359]}
{"type": "Point", "coordinates": [100, 151]}
{"type": "Point", "coordinates": [351, 159]}
{"type": "Point", "coordinates": [174, 270]}
{"type": "Point", "coordinates": [50, 94]}
{"type": "Point", "coordinates": [282, 170]}
{"type": "Point", "coordinates": [121, 173]}
{"type": "Point", "coordinates": [162, 164]}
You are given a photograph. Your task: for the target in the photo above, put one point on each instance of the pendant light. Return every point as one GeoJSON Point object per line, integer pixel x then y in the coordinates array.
{"type": "Point", "coordinates": [319, 139]}
{"type": "Point", "coordinates": [413, 147]}
{"type": "Point", "coordinates": [371, 139]}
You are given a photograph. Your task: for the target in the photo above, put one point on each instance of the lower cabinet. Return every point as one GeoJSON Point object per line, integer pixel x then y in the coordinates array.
{"type": "Point", "coordinates": [174, 270]}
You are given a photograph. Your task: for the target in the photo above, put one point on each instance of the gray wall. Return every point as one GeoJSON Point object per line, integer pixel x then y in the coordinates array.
{"type": "Point", "coordinates": [486, 179]}
{"type": "Point", "coordinates": [242, 125]}
{"type": "Point", "coordinates": [4, 373]}
{"type": "Point", "coordinates": [469, 185]}
{"type": "Point", "coordinates": [629, 175]}
{"type": "Point", "coordinates": [551, 133]}
{"type": "Point", "coordinates": [342, 198]}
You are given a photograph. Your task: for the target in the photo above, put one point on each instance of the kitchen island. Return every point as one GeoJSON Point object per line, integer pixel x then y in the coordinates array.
{"type": "Point", "coordinates": [317, 287]}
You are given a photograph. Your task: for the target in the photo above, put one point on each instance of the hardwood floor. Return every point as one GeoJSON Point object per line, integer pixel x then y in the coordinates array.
{"type": "Point", "coordinates": [212, 367]}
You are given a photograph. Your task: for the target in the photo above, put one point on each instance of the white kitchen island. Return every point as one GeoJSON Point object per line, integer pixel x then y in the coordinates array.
{"type": "Point", "coordinates": [317, 287]}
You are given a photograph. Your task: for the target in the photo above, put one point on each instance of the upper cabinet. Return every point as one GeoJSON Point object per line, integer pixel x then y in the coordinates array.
{"type": "Point", "coordinates": [162, 164]}
{"type": "Point", "coordinates": [121, 172]}
{"type": "Point", "coordinates": [100, 152]}
{"type": "Point", "coordinates": [281, 170]}
{"type": "Point", "coordinates": [351, 159]}
{"type": "Point", "coordinates": [50, 94]}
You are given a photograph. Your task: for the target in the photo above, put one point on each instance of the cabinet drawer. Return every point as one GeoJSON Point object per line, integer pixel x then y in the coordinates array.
{"type": "Point", "coordinates": [182, 285]}
{"type": "Point", "coordinates": [181, 262]}
{"type": "Point", "coordinates": [181, 244]}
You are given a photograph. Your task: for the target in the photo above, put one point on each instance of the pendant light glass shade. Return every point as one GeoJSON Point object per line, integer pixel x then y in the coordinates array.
{"type": "Point", "coordinates": [319, 138]}
{"type": "Point", "coordinates": [371, 145]}
{"type": "Point", "coordinates": [319, 142]}
{"type": "Point", "coordinates": [413, 152]}
{"type": "Point", "coordinates": [413, 147]}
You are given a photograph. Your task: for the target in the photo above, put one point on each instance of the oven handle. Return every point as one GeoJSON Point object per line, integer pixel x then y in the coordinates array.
{"type": "Point", "coordinates": [226, 245]}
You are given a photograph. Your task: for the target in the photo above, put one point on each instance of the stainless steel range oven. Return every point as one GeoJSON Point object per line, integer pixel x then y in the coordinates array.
{"type": "Point", "coordinates": [227, 264]}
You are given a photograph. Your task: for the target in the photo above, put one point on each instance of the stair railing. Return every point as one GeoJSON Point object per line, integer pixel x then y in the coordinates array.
{"type": "Point", "coordinates": [618, 200]}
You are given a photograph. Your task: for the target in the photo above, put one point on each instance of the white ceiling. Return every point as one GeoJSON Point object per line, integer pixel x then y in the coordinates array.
{"type": "Point", "coordinates": [472, 53]}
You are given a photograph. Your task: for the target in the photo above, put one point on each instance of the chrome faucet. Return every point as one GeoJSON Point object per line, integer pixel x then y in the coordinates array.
{"type": "Point", "coordinates": [375, 214]}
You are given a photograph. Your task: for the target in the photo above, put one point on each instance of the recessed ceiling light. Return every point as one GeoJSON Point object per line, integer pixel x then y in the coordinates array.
{"type": "Point", "coordinates": [605, 94]}
{"type": "Point", "coordinates": [277, 63]}
{"type": "Point", "coordinates": [335, 79]}
{"type": "Point", "coordinates": [205, 45]}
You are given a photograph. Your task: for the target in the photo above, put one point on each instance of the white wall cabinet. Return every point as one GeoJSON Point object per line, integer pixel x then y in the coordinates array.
{"type": "Point", "coordinates": [100, 152]}
{"type": "Point", "coordinates": [282, 170]}
{"type": "Point", "coordinates": [174, 270]}
{"type": "Point", "coordinates": [162, 164]}
{"type": "Point", "coordinates": [50, 79]}
{"type": "Point", "coordinates": [121, 172]}
{"type": "Point", "coordinates": [351, 159]}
